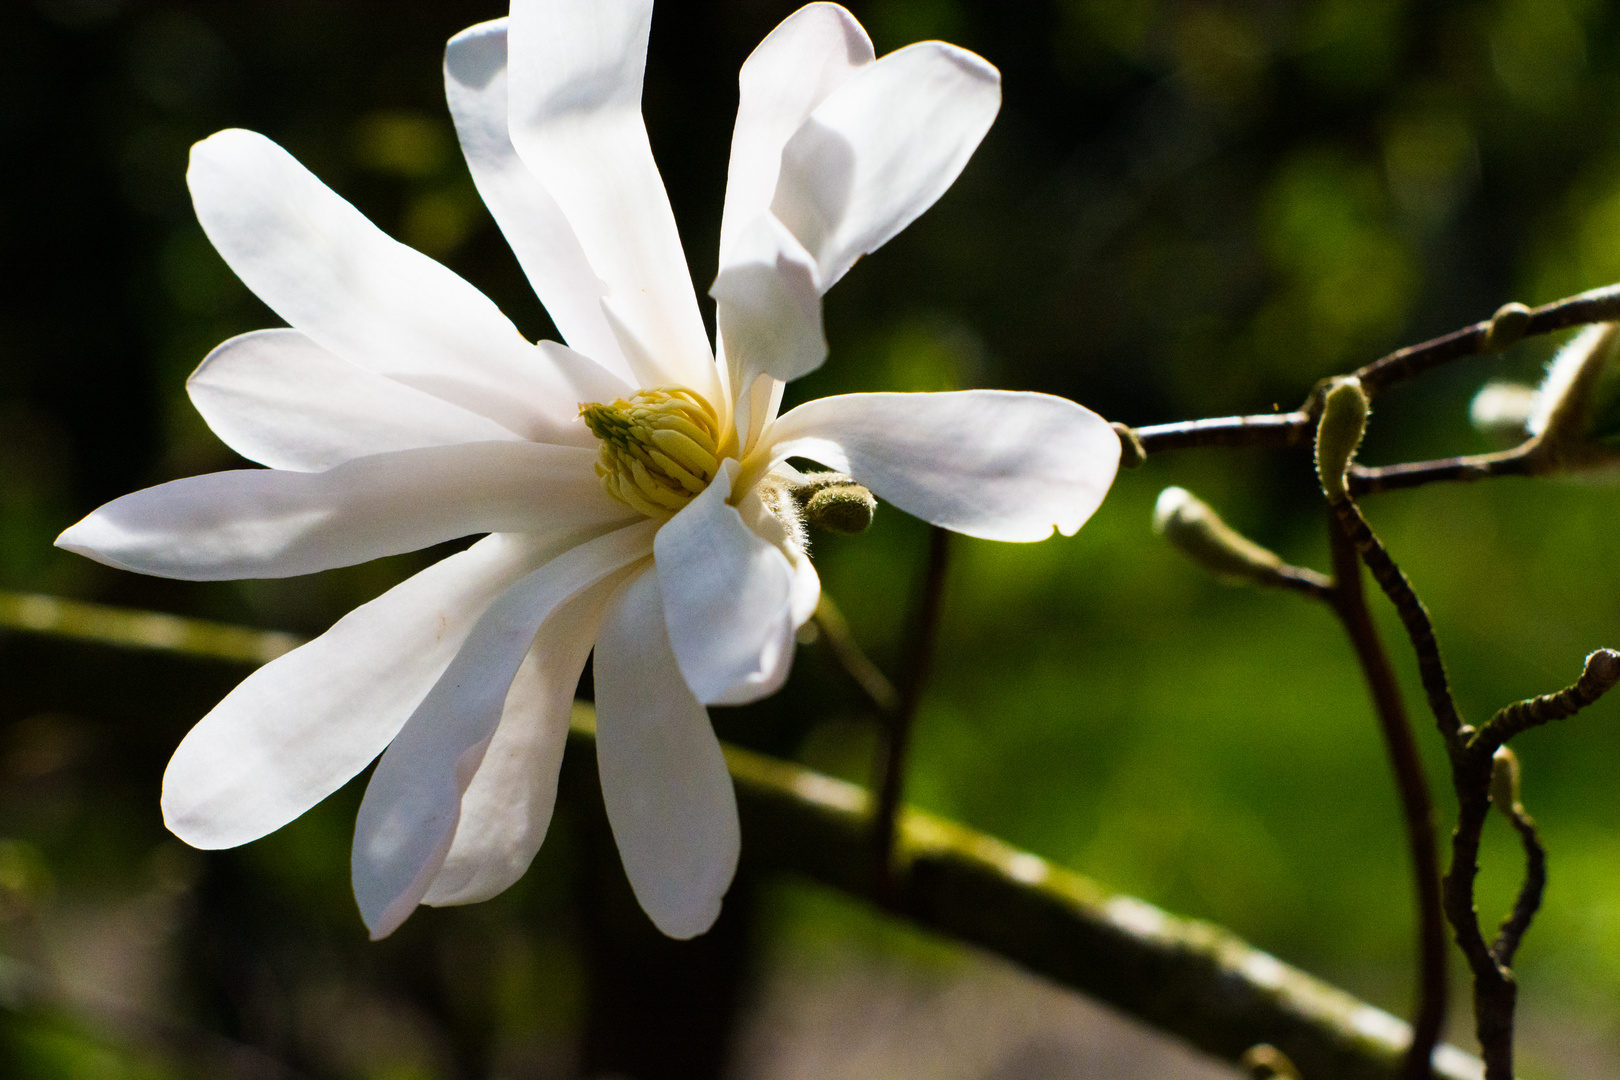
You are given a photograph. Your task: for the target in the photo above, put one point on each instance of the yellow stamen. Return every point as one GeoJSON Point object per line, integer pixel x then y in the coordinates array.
{"type": "Point", "coordinates": [659, 449]}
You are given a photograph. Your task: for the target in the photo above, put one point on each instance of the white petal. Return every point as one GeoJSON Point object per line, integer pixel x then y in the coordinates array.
{"type": "Point", "coordinates": [769, 307]}
{"type": "Point", "coordinates": [806, 593]}
{"type": "Point", "coordinates": [329, 272]}
{"type": "Point", "coordinates": [881, 149]}
{"type": "Point", "coordinates": [506, 809]}
{"type": "Point", "coordinates": [298, 728]}
{"type": "Point", "coordinates": [408, 818]}
{"type": "Point", "coordinates": [728, 599]}
{"type": "Point", "coordinates": [276, 397]}
{"type": "Point", "coordinates": [988, 463]}
{"type": "Point", "coordinates": [575, 97]}
{"type": "Point", "coordinates": [664, 780]}
{"type": "Point", "coordinates": [804, 59]}
{"type": "Point", "coordinates": [475, 81]}
{"type": "Point", "coordinates": [264, 523]}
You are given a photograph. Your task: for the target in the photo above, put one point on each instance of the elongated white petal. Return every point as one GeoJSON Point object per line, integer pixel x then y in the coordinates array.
{"type": "Point", "coordinates": [881, 149]}
{"type": "Point", "coordinates": [332, 274]}
{"type": "Point", "coordinates": [808, 56]}
{"type": "Point", "coordinates": [989, 463]}
{"type": "Point", "coordinates": [264, 523]}
{"type": "Point", "coordinates": [575, 118]}
{"type": "Point", "coordinates": [664, 780]}
{"type": "Point", "coordinates": [408, 818]}
{"type": "Point", "coordinates": [769, 308]}
{"type": "Point", "coordinates": [728, 599]}
{"type": "Point", "coordinates": [301, 726]}
{"type": "Point", "coordinates": [276, 397]}
{"type": "Point", "coordinates": [475, 81]}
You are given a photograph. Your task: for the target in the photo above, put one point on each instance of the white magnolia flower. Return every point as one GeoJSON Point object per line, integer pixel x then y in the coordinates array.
{"type": "Point", "coordinates": [401, 409]}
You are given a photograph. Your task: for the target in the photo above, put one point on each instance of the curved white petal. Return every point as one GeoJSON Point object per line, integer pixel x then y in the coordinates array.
{"type": "Point", "coordinates": [989, 463]}
{"type": "Point", "coordinates": [664, 781]}
{"type": "Point", "coordinates": [475, 82]}
{"type": "Point", "coordinates": [278, 398]}
{"type": "Point", "coordinates": [300, 727]}
{"type": "Point", "coordinates": [768, 308]}
{"type": "Point", "coordinates": [408, 818]}
{"type": "Point", "coordinates": [881, 149]}
{"type": "Point", "coordinates": [262, 523]}
{"type": "Point", "coordinates": [806, 589]}
{"type": "Point", "coordinates": [808, 56]}
{"type": "Point", "coordinates": [728, 599]}
{"type": "Point", "coordinates": [575, 119]}
{"type": "Point", "coordinates": [334, 275]}
{"type": "Point", "coordinates": [506, 809]}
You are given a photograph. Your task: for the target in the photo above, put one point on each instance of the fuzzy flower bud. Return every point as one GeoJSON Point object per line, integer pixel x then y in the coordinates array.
{"type": "Point", "coordinates": [1198, 532]}
{"type": "Point", "coordinates": [1505, 780]}
{"type": "Point", "coordinates": [1577, 409]}
{"type": "Point", "coordinates": [1338, 434]}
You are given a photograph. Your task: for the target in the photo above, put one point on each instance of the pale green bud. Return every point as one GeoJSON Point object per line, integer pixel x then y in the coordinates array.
{"type": "Point", "coordinates": [1503, 410]}
{"type": "Point", "coordinates": [1577, 413]}
{"type": "Point", "coordinates": [1338, 434]}
{"type": "Point", "coordinates": [1507, 326]}
{"type": "Point", "coordinates": [833, 501]}
{"type": "Point", "coordinates": [1198, 532]}
{"type": "Point", "coordinates": [1505, 780]}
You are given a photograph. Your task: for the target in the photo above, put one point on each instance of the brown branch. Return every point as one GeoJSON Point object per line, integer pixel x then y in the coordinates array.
{"type": "Point", "coordinates": [1599, 305]}
{"type": "Point", "coordinates": [1414, 616]}
{"type": "Point", "coordinates": [1266, 429]}
{"type": "Point", "coordinates": [1600, 675]}
{"type": "Point", "coordinates": [1529, 899]}
{"type": "Point", "coordinates": [1519, 461]}
{"type": "Point", "coordinates": [891, 766]}
{"type": "Point", "coordinates": [1417, 807]}
{"type": "Point", "coordinates": [1191, 979]}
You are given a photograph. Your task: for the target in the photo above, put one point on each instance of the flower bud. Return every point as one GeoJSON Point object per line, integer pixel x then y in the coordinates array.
{"type": "Point", "coordinates": [1338, 434]}
{"type": "Point", "coordinates": [1502, 410]}
{"type": "Point", "coordinates": [832, 501]}
{"type": "Point", "coordinates": [1507, 327]}
{"type": "Point", "coordinates": [1131, 452]}
{"type": "Point", "coordinates": [1199, 533]}
{"type": "Point", "coordinates": [1577, 413]}
{"type": "Point", "coordinates": [1505, 780]}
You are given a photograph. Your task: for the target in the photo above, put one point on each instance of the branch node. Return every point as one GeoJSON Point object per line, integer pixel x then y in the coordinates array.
{"type": "Point", "coordinates": [1506, 327]}
{"type": "Point", "coordinates": [1132, 454]}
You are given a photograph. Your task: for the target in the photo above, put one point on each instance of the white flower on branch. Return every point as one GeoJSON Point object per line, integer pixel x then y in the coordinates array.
{"type": "Point", "coordinates": [625, 479]}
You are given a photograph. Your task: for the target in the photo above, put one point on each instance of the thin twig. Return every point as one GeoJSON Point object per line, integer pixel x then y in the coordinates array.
{"type": "Point", "coordinates": [1495, 992]}
{"type": "Point", "coordinates": [1266, 429]}
{"type": "Point", "coordinates": [1417, 807]}
{"type": "Point", "coordinates": [1600, 675]}
{"type": "Point", "coordinates": [892, 763]}
{"type": "Point", "coordinates": [1599, 305]}
{"type": "Point", "coordinates": [847, 651]}
{"type": "Point", "coordinates": [1529, 898]}
{"type": "Point", "coordinates": [1414, 616]}
{"type": "Point", "coordinates": [1519, 461]}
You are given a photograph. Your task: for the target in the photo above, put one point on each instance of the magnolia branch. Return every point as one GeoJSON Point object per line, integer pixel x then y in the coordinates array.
{"type": "Point", "coordinates": [1191, 979]}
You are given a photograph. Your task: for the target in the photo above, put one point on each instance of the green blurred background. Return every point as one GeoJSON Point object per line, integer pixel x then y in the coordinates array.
{"type": "Point", "coordinates": [1186, 208]}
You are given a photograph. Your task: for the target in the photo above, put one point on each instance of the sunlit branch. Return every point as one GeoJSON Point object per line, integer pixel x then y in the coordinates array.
{"type": "Point", "coordinates": [1599, 305]}
{"type": "Point", "coordinates": [1190, 979]}
{"type": "Point", "coordinates": [1266, 429]}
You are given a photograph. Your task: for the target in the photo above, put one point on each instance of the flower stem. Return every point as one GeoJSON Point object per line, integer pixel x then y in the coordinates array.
{"type": "Point", "coordinates": [891, 764]}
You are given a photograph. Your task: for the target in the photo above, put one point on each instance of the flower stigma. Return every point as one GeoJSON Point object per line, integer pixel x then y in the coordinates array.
{"type": "Point", "coordinates": [660, 448]}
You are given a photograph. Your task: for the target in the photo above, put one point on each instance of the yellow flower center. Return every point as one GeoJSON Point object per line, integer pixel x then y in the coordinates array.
{"type": "Point", "coordinates": [659, 448]}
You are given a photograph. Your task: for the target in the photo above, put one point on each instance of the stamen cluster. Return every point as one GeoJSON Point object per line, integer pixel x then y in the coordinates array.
{"type": "Point", "coordinates": [659, 448]}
